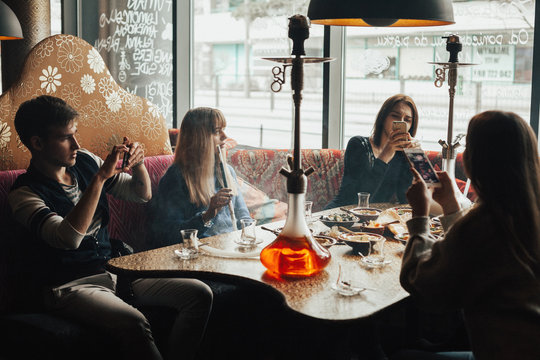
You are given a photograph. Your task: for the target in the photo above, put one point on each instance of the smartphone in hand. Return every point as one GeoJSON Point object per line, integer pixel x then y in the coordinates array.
{"type": "Point", "coordinates": [418, 159]}
{"type": "Point", "coordinates": [400, 126]}
{"type": "Point", "coordinates": [125, 159]}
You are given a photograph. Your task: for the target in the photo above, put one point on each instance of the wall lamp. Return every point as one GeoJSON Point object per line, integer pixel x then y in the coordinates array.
{"type": "Point", "coordinates": [10, 28]}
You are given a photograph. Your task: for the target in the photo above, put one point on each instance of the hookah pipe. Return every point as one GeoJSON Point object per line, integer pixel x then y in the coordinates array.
{"type": "Point", "coordinates": [296, 176]}
{"type": "Point", "coordinates": [225, 184]}
{"type": "Point", "coordinates": [453, 46]}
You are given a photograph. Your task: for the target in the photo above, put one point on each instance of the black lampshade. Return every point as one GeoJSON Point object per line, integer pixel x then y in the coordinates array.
{"type": "Point", "coordinates": [10, 28]}
{"type": "Point", "coordinates": [396, 13]}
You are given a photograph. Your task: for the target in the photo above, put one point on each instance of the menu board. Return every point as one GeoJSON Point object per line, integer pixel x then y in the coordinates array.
{"type": "Point", "coordinates": [135, 38]}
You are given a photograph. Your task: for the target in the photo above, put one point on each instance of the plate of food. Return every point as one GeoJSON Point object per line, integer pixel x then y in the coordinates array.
{"type": "Point", "coordinates": [402, 237]}
{"type": "Point", "coordinates": [324, 240]}
{"type": "Point", "coordinates": [360, 241]}
{"type": "Point", "coordinates": [366, 214]}
{"type": "Point", "coordinates": [404, 213]}
{"type": "Point", "coordinates": [372, 227]}
{"type": "Point", "coordinates": [341, 219]}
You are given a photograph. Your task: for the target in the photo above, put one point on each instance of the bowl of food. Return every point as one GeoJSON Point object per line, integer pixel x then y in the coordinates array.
{"type": "Point", "coordinates": [344, 219]}
{"type": "Point", "coordinates": [360, 241]}
{"type": "Point", "coordinates": [324, 240]}
{"type": "Point", "coordinates": [366, 214]}
{"type": "Point", "coordinates": [372, 227]}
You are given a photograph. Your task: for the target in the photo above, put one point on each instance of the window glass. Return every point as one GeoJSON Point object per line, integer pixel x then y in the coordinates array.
{"type": "Point", "coordinates": [231, 38]}
{"type": "Point", "coordinates": [497, 36]}
{"type": "Point", "coordinates": [56, 17]}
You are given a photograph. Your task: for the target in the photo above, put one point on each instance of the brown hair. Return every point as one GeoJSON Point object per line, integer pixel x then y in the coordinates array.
{"type": "Point", "coordinates": [385, 110]}
{"type": "Point", "coordinates": [195, 152]}
{"type": "Point", "coordinates": [501, 159]}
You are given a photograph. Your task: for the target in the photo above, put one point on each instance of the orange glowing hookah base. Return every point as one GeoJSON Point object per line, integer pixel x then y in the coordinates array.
{"type": "Point", "coordinates": [295, 256]}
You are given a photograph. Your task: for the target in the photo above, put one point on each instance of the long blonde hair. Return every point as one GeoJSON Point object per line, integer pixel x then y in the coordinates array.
{"type": "Point", "coordinates": [195, 152]}
{"type": "Point", "coordinates": [501, 159]}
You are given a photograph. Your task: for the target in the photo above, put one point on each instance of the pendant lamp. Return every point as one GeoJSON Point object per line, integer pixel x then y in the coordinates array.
{"type": "Point", "coordinates": [395, 13]}
{"type": "Point", "coordinates": [10, 28]}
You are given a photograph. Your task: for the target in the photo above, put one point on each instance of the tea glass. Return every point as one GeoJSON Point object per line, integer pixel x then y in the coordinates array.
{"type": "Point", "coordinates": [190, 244]}
{"type": "Point", "coordinates": [376, 256]}
{"type": "Point", "coordinates": [248, 237]}
{"type": "Point", "coordinates": [363, 200]}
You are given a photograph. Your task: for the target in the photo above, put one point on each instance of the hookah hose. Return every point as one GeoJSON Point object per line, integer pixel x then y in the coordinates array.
{"type": "Point", "coordinates": [225, 184]}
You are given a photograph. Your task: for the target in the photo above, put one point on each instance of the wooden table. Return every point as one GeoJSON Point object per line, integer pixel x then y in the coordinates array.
{"type": "Point", "coordinates": [312, 296]}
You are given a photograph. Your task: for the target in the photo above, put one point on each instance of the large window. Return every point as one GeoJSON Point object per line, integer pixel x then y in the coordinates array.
{"type": "Point", "coordinates": [231, 38]}
{"type": "Point", "coordinates": [497, 36]}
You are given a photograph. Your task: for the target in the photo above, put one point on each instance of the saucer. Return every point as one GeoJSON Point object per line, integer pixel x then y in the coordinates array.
{"type": "Point", "coordinates": [248, 244]}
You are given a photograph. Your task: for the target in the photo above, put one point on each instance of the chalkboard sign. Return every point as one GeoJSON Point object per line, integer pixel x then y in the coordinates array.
{"type": "Point", "coordinates": [135, 38]}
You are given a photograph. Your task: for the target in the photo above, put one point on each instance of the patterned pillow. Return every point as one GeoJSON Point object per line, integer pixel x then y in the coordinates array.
{"type": "Point", "coordinates": [68, 67]}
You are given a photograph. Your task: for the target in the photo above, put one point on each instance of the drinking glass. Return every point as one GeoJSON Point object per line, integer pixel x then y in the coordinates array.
{"type": "Point", "coordinates": [307, 207]}
{"type": "Point", "coordinates": [363, 200]}
{"type": "Point", "coordinates": [190, 244]}
{"type": "Point", "coordinates": [248, 237]}
{"type": "Point", "coordinates": [376, 253]}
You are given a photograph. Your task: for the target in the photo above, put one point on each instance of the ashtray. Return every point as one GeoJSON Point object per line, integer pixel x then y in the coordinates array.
{"type": "Point", "coordinates": [346, 289]}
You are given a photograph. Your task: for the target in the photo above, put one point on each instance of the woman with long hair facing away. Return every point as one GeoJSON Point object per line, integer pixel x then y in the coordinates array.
{"type": "Point", "coordinates": [376, 164]}
{"type": "Point", "coordinates": [192, 193]}
{"type": "Point", "coordinates": [488, 263]}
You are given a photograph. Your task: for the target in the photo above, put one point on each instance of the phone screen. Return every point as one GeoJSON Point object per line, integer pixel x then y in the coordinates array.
{"type": "Point", "coordinates": [422, 164]}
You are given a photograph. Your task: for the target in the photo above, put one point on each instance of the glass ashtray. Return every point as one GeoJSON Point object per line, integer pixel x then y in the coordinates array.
{"type": "Point", "coordinates": [346, 289]}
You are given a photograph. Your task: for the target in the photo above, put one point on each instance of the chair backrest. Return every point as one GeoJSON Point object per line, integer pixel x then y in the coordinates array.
{"type": "Point", "coordinates": [68, 67]}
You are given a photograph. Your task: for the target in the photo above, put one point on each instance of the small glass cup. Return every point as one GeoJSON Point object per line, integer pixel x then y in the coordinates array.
{"type": "Point", "coordinates": [248, 237]}
{"type": "Point", "coordinates": [363, 200]}
{"type": "Point", "coordinates": [376, 256]}
{"type": "Point", "coordinates": [308, 205]}
{"type": "Point", "coordinates": [190, 244]}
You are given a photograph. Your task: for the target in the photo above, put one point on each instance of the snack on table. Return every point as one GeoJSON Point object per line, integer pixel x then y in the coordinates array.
{"type": "Point", "coordinates": [373, 227]}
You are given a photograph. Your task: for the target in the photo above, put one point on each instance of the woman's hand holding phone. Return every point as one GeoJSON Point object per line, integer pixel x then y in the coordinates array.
{"type": "Point", "coordinates": [445, 194]}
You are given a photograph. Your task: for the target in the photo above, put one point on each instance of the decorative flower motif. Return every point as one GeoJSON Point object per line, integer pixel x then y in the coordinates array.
{"type": "Point", "coordinates": [6, 159]}
{"type": "Point", "coordinates": [95, 114]}
{"type": "Point", "coordinates": [114, 102]}
{"type": "Point", "coordinates": [88, 83]}
{"type": "Point", "coordinates": [71, 93]}
{"type": "Point", "coordinates": [43, 50]}
{"type": "Point", "coordinates": [24, 88]}
{"type": "Point", "coordinates": [95, 61]}
{"type": "Point", "coordinates": [20, 145]}
{"type": "Point", "coordinates": [153, 109]}
{"type": "Point", "coordinates": [62, 39]}
{"type": "Point", "coordinates": [151, 127]}
{"type": "Point", "coordinates": [70, 57]}
{"type": "Point", "coordinates": [106, 86]}
{"type": "Point", "coordinates": [5, 134]}
{"type": "Point", "coordinates": [133, 105]}
{"type": "Point", "coordinates": [50, 79]}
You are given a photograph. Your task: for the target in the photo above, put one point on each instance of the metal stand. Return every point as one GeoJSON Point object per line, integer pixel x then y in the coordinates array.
{"type": "Point", "coordinates": [298, 32]}
{"type": "Point", "coordinates": [450, 145]}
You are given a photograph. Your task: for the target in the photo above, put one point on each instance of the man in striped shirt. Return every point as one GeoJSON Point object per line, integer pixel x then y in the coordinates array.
{"type": "Point", "coordinates": [61, 206]}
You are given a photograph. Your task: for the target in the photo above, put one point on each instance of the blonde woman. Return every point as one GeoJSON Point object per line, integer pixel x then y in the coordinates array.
{"type": "Point", "coordinates": [191, 194]}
